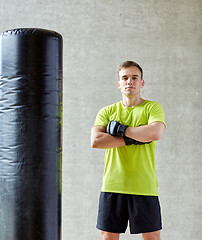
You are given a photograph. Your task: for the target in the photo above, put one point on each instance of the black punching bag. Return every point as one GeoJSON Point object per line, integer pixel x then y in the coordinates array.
{"type": "Point", "coordinates": [30, 134]}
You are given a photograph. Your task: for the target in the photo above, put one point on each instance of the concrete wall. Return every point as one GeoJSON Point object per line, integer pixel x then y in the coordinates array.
{"type": "Point", "coordinates": [164, 37]}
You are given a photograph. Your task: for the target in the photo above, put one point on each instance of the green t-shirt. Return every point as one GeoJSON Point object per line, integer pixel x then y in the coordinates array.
{"type": "Point", "coordinates": [131, 169]}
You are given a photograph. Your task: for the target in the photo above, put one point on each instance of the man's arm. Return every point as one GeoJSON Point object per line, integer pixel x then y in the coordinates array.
{"type": "Point", "coordinates": [146, 133]}
{"type": "Point", "coordinates": [102, 140]}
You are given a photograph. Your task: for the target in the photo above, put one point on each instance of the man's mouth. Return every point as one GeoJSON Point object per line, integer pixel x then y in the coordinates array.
{"type": "Point", "coordinates": [129, 88]}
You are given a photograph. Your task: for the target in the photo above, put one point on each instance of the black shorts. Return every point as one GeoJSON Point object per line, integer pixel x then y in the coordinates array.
{"type": "Point", "coordinates": [115, 210]}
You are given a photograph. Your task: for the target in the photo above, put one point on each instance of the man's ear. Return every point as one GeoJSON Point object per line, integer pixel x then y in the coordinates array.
{"type": "Point", "coordinates": [118, 83]}
{"type": "Point", "coordinates": [142, 85]}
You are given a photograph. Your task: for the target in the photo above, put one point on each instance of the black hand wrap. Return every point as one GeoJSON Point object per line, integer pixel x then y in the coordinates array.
{"type": "Point", "coordinates": [115, 128]}
{"type": "Point", "coordinates": [130, 141]}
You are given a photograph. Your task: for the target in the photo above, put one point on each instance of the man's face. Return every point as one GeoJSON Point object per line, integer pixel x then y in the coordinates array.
{"type": "Point", "coordinates": [130, 81]}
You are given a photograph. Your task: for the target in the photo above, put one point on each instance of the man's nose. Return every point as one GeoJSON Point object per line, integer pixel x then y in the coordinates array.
{"type": "Point", "coordinates": [130, 80]}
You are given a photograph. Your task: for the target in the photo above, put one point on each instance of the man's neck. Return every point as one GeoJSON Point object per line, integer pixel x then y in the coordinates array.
{"type": "Point", "coordinates": [132, 101]}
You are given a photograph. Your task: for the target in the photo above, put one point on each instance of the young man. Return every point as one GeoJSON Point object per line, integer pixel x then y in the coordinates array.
{"type": "Point", "coordinates": [128, 130]}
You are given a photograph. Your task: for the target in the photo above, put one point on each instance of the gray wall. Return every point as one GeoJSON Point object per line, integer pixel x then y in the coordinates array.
{"type": "Point", "coordinates": [165, 38]}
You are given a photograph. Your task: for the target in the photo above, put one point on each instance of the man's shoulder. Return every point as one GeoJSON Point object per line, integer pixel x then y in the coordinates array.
{"type": "Point", "coordinates": [112, 106]}
{"type": "Point", "coordinates": [149, 103]}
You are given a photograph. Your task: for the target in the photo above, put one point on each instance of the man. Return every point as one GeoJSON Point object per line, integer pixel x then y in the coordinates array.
{"type": "Point", "coordinates": [128, 130]}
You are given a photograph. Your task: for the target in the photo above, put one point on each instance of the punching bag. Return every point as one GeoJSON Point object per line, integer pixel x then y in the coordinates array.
{"type": "Point", "coordinates": [30, 134]}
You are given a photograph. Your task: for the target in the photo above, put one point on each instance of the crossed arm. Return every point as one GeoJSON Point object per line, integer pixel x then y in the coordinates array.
{"type": "Point", "coordinates": [146, 133]}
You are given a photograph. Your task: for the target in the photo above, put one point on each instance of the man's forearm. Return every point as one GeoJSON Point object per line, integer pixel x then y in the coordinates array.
{"type": "Point", "coordinates": [146, 133]}
{"type": "Point", "coordinates": [103, 141]}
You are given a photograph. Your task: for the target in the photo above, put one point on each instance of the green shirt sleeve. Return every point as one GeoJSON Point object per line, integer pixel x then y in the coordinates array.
{"type": "Point", "coordinates": [102, 118]}
{"type": "Point", "coordinates": [156, 113]}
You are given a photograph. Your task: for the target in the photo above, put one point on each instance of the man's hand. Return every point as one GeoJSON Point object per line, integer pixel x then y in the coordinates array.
{"type": "Point", "coordinates": [115, 128]}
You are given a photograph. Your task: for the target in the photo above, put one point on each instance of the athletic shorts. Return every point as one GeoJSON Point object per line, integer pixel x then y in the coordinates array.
{"type": "Point", "coordinates": [115, 210]}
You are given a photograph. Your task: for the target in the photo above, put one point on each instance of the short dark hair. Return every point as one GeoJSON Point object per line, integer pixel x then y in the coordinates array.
{"type": "Point", "coordinates": [128, 64]}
